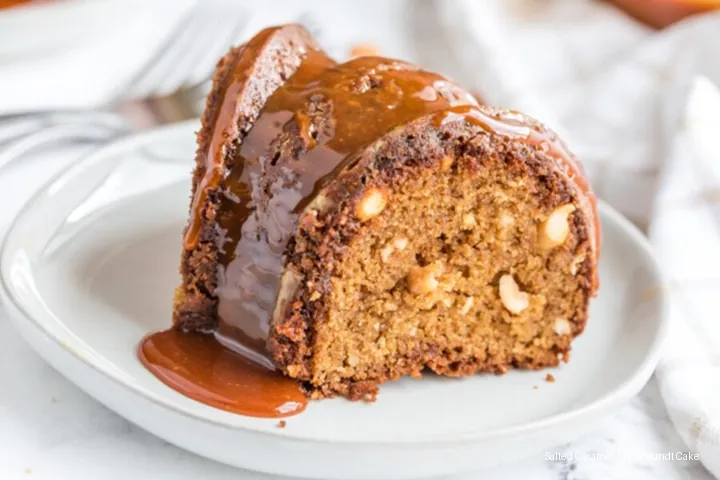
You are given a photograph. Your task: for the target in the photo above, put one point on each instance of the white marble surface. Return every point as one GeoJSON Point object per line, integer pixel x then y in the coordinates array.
{"type": "Point", "coordinates": [51, 430]}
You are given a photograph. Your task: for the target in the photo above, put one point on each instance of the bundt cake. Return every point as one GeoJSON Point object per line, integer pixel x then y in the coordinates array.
{"type": "Point", "coordinates": [356, 222]}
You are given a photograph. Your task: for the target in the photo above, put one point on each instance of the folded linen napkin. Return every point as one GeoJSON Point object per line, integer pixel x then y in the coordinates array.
{"type": "Point", "coordinates": [642, 110]}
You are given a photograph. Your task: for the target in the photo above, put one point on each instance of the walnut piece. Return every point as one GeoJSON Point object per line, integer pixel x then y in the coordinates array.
{"type": "Point", "coordinates": [468, 221]}
{"type": "Point", "coordinates": [385, 253]}
{"type": "Point", "coordinates": [562, 327]}
{"type": "Point", "coordinates": [467, 306]}
{"type": "Point", "coordinates": [576, 264]}
{"type": "Point", "coordinates": [422, 280]}
{"type": "Point", "coordinates": [391, 307]}
{"type": "Point", "coordinates": [555, 230]}
{"type": "Point", "coordinates": [321, 203]}
{"type": "Point", "coordinates": [506, 220]}
{"type": "Point", "coordinates": [512, 298]}
{"type": "Point", "coordinates": [372, 203]}
{"type": "Point", "coordinates": [400, 243]}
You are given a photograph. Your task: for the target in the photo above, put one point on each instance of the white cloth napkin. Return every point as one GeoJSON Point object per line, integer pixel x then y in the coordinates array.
{"type": "Point", "coordinates": [642, 112]}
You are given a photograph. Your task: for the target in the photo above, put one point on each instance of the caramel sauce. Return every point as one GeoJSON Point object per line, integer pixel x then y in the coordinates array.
{"type": "Point", "coordinates": [200, 367]}
{"type": "Point", "coordinates": [224, 130]}
{"type": "Point", "coordinates": [307, 129]}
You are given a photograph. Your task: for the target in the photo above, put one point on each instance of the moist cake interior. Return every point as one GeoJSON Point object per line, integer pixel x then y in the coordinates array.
{"type": "Point", "coordinates": [422, 286]}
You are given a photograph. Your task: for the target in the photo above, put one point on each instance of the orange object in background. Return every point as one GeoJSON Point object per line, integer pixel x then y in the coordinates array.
{"type": "Point", "coordinates": [17, 3]}
{"type": "Point", "coordinates": [663, 13]}
{"type": "Point", "coordinates": [12, 3]}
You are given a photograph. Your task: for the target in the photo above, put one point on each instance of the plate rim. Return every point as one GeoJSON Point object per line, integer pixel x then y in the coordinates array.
{"type": "Point", "coordinates": [629, 387]}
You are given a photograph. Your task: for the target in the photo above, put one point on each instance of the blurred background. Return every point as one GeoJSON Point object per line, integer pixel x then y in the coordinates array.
{"type": "Point", "coordinates": [632, 86]}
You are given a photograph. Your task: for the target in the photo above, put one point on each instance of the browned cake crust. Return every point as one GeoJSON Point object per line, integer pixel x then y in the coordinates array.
{"type": "Point", "coordinates": [426, 247]}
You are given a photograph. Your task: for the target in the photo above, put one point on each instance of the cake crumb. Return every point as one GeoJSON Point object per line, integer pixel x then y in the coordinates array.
{"type": "Point", "coordinates": [281, 424]}
{"type": "Point", "coordinates": [28, 471]}
{"type": "Point", "coordinates": [53, 400]}
{"type": "Point", "coordinates": [549, 378]}
{"type": "Point", "coordinates": [534, 387]}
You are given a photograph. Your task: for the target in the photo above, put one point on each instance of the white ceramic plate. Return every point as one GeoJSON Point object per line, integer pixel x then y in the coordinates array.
{"type": "Point", "coordinates": [89, 267]}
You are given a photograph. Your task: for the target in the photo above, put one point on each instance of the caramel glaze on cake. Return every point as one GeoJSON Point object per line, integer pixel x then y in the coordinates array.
{"type": "Point", "coordinates": [368, 220]}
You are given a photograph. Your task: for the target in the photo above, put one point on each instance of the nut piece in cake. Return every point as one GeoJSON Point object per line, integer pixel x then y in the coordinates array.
{"type": "Point", "coordinates": [576, 264]}
{"type": "Point", "coordinates": [423, 280]}
{"type": "Point", "coordinates": [400, 243]}
{"type": "Point", "coordinates": [397, 244]}
{"type": "Point", "coordinates": [468, 221]}
{"type": "Point", "coordinates": [562, 327]}
{"type": "Point", "coordinates": [466, 306]}
{"type": "Point", "coordinates": [555, 230]}
{"type": "Point", "coordinates": [512, 298]}
{"type": "Point", "coordinates": [372, 203]}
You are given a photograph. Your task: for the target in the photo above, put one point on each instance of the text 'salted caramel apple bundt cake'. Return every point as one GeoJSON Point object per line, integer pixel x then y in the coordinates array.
{"type": "Point", "coordinates": [366, 220]}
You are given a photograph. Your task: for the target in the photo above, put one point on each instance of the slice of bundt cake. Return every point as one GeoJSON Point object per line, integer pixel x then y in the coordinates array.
{"type": "Point", "coordinates": [367, 220]}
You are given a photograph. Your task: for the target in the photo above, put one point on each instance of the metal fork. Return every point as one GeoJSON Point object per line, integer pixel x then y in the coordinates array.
{"type": "Point", "coordinates": [172, 81]}
{"type": "Point", "coordinates": [190, 51]}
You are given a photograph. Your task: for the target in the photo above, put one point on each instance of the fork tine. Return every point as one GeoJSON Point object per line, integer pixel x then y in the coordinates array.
{"type": "Point", "coordinates": [194, 55]}
{"type": "Point", "coordinates": [170, 72]}
{"type": "Point", "coordinates": [197, 65]}
{"type": "Point", "coordinates": [188, 56]}
{"type": "Point", "coordinates": [158, 72]}
{"type": "Point", "coordinates": [217, 49]}
{"type": "Point", "coordinates": [182, 27]}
